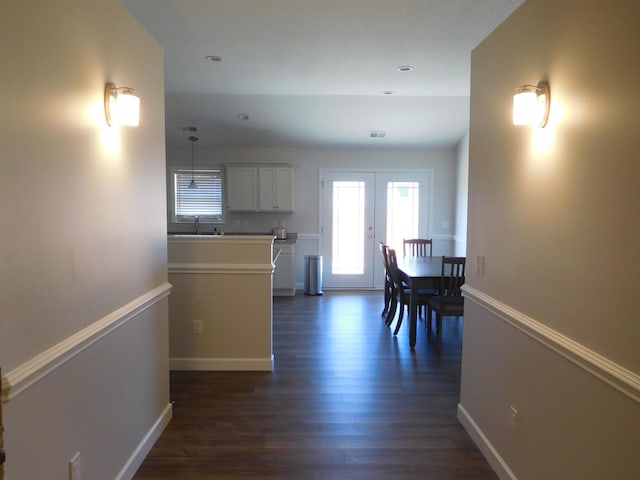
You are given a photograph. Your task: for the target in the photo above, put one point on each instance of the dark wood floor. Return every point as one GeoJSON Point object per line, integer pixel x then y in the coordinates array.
{"type": "Point", "coordinates": [346, 400]}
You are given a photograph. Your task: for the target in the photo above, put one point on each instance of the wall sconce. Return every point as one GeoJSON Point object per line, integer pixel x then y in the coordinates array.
{"type": "Point", "coordinates": [121, 106]}
{"type": "Point", "coordinates": [531, 105]}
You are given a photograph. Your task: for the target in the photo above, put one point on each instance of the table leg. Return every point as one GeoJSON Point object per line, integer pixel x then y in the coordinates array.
{"type": "Point", "coordinates": [413, 313]}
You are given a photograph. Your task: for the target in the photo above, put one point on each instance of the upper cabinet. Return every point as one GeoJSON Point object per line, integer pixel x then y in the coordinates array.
{"type": "Point", "coordinates": [242, 188]}
{"type": "Point", "coordinates": [260, 189]}
{"type": "Point", "coordinates": [276, 189]}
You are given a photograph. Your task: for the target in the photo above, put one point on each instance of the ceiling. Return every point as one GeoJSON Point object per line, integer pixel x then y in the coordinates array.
{"type": "Point", "coordinates": [315, 72]}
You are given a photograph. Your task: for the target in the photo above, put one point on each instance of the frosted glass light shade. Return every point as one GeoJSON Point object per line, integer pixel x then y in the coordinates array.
{"type": "Point", "coordinates": [121, 106]}
{"type": "Point", "coordinates": [525, 106]}
{"type": "Point", "coordinates": [531, 105]}
{"type": "Point", "coordinates": [128, 109]}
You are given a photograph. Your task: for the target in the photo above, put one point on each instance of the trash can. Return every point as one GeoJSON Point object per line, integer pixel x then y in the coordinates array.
{"type": "Point", "coordinates": [313, 274]}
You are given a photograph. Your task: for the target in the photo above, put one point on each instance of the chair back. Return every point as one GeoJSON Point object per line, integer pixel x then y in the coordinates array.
{"type": "Point", "coordinates": [392, 259]}
{"type": "Point", "coordinates": [452, 276]}
{"type": "Point", "coordinates": [385, 260]}
{"type": "Point", "coordinates": [417, 247]}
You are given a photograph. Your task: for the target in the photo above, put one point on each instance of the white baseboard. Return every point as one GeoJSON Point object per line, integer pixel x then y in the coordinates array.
{"type": "Point", "coordinates": [142, 450]}
{"type": "Point", "coordinates": [222, 364]}
{"type": "Point", "coordinates": [490, 453]}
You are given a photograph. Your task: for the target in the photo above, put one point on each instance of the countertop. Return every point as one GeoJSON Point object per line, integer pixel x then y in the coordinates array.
{"type": "Point", "coordinates": [291, 238]}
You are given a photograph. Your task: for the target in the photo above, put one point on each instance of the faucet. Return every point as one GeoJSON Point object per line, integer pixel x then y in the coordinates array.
{"type": "Point", "coordinates": [197, 225]}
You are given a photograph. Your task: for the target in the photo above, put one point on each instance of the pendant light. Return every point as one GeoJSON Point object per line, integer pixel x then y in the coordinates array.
{"type": "Point", "coordinates": [193, 139]}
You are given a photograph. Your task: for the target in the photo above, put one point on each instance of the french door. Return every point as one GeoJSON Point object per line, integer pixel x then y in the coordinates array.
{"type": "Point", "coordinates": [348, 229]}
{"type": "Point", "coordinates": [361, 209]}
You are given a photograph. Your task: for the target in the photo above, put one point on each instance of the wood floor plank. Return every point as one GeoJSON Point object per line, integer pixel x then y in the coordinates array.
{"type": "Point", "coordinates": [346, 400]}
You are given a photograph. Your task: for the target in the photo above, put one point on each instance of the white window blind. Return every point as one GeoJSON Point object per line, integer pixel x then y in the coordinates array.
{"type": "Point", "coordinates": [205, 201]}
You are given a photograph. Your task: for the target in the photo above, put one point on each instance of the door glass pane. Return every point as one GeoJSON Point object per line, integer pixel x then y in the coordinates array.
{"type": "Point", "coordinates": [348, 228]}
{"type": "Point", "coordinates": [402, 212]}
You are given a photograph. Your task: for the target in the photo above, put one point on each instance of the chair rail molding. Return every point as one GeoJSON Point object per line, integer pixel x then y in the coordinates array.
{"type": "Point", "coordinates": [21, 378]}
{"type": "Point", "coordinates": [222, 268]}
{"type": "Point", "coordinates": [618, 377]}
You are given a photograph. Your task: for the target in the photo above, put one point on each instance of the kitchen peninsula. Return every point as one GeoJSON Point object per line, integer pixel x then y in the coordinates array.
{"type": "Point", "coordinates": [220, 308]}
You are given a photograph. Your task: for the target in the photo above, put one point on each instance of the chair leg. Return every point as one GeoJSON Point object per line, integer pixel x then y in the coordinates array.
{"type": "Point", "coordinates": [439, 322]}
{"type": "Point", "coordinates": [399, 323]}
{"type": "Point", "coordinates": [387, 300]}
{"type": "Point", "coordinates": [392, 310]}
{"type": "Point", "coordinates": [428, 319]}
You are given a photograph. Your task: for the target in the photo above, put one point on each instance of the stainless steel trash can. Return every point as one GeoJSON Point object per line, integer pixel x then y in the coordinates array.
{"type": "Point", "coordinates": [313, 274]}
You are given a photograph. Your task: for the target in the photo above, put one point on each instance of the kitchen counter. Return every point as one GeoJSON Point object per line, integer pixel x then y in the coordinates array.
{"type": "Point", "coordinates": [221, 302]}
{"type": "Point", "coordinates": [293, 238]}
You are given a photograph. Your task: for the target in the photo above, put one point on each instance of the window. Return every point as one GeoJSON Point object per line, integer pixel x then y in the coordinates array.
{"type": "Point", "coordinates": [403, 208]}
{"type": "Point", "coordinates": [348, 228]}
{"type": "Point", "coordinates": [205, 201]}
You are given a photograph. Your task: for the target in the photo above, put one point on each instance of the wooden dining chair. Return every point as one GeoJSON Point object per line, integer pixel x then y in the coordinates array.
{"type": "Point", "coordinates": [388, 283]}
{"type": "Point", "coordinates": [449, 301]}
{"type": "Point", "coordinates": [417, 247]}
{"type": "Point", "coordinates": [402, 293]}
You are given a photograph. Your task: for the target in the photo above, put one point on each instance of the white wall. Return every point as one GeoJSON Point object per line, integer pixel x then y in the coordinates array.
{"type": "Point", "coordinates": [83, 313]}
{"type": "Point", "coordinates": [551, 327]}
{"type": "Point", "coordinates": [462, 193]}
{"type": "Point", "coordinates": [305, 220]}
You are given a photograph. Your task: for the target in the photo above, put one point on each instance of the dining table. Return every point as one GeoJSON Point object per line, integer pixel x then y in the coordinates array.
{"type": "Point", "coordinates": [419, 273]}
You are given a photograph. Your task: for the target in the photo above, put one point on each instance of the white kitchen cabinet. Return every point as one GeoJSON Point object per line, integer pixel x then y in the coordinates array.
{"type": "Point", "coordinates": [260, 189]}
{"type": "Point", "coordinates": [241, 188]}
{"type": "Point", "coordinates": [284, 281]}
{"type": "Point", "coordinates": [276, 189]}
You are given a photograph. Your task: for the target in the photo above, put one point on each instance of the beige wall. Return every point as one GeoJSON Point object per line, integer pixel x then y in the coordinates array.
{"type": "Point", "coordinates": [224, 283]}
{"type": "Point", "coordinates": [551, 327]}
{"type": "Point", "coordinates": [82, 240]}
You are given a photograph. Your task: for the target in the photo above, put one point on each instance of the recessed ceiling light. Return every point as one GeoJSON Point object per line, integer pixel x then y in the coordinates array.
{"type": "Point", "coordinates": [213, 58]}
{"type": "Point", "coordinates": [404, 68]}
{"type": "Point", "coordinates": [387, 92]}
{"type": "Point", "coordinates": [243, 117]}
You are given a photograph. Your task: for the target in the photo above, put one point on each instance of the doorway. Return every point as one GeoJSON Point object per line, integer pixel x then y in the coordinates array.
{"type": "Point", "coordinates": [359, 209]}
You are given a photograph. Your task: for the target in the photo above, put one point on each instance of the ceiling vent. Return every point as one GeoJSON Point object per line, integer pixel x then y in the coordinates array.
{"type": "Point", "coordinates": [377, 134]}
{"type": "Point", "coordinates": [187, 129]}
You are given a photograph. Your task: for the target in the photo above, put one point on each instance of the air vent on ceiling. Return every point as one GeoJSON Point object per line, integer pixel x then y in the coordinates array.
{"type": "Point", "coordinates": [187, 129]}
{"type": "Point", "coordinates": [377, 134]}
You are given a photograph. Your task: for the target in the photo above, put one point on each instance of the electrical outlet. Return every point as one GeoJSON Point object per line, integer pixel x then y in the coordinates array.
{"type": "Point", "coordinates": [75, 472]}
{"type": "Point", "coordinates": [480, 264]}
{"type": "Point", "coordinates": [197, 327]}
{"type": "Point", "coordinates": [515, 420]}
